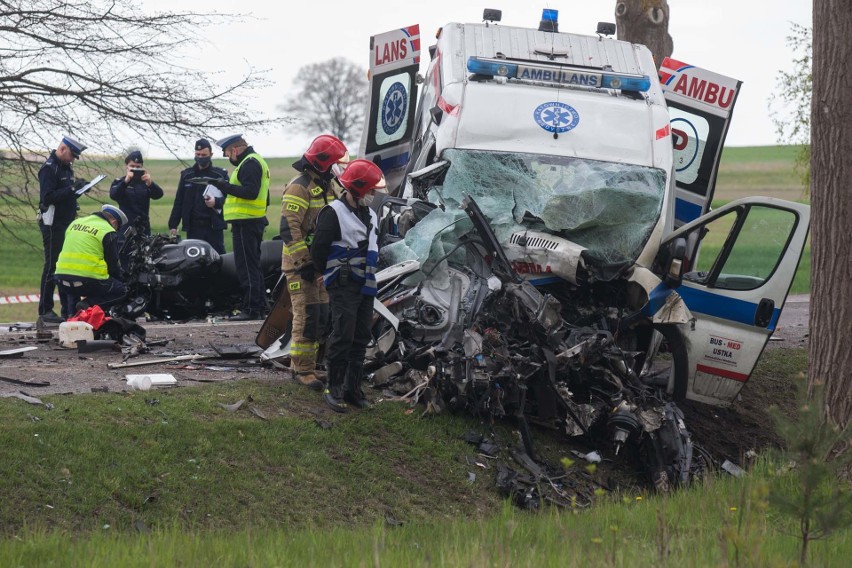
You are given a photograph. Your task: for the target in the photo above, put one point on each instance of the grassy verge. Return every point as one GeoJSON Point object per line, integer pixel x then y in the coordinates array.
{"type": "Point", "coordinates": [170, 478]}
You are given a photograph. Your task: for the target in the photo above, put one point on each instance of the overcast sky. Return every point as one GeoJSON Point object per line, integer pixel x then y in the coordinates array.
{"type": "Point", "coordinates": [744, 39]}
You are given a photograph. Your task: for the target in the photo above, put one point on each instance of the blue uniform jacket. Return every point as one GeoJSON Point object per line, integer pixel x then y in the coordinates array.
{"type": "Point", "coordinates": [56, 187]}
{"type": "Point", "coordinates": [189, 209]}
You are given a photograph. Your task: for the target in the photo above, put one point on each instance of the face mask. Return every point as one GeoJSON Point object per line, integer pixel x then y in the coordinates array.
{"type": "Point", "coordinates": [203, 162]}
{"type": "Point", "coordinates": [366, 201]}
{"type": "Point", "coordinates": [234, 160]}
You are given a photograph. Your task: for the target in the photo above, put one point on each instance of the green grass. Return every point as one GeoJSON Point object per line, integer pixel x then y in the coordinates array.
{"type": "Point", "coordinates": [111, 480]}
{"type": "Point", "coordinates": [766, 170]}
{"type": "Point", "coordinates": [760, 170]}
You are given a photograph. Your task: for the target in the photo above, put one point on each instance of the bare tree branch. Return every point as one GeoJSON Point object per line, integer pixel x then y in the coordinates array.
{"type": "Point", "coordinates": [101, 69]}
{"type": "Point", "coordinates": [332, 97]}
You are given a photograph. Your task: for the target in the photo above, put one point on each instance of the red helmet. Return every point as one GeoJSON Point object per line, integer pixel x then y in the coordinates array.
{"type": "Point", "coordinates": [325, 151]}
{"type": "Point", "coordinates": [360, 176]}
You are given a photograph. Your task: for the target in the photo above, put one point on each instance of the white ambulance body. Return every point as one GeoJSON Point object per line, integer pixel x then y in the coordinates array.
{"type": "Point", "coordinates": [563, 110]}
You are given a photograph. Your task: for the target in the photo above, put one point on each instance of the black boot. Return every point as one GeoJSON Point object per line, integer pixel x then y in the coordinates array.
{"type": "Point", "coordinates": [333, 395]}
{"type": "Point", "coordinates": [352, 392]}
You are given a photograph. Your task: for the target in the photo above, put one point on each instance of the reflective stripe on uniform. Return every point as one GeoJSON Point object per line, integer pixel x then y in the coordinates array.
{"type": "Point", "coordinates": [304, 348]}
{"type": "Point", "coordinates": [296, 200]}
{"type": "Point", "coordinates": [295, 247]}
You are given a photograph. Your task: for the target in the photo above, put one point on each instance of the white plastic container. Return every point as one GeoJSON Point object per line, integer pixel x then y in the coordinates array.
{"type": "Point", "coordinates": [72, 331]}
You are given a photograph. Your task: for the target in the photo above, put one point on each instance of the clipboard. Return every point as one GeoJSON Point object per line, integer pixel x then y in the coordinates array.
{"type": "Point", "coordinates": [95, 181]}
{"type": "Point", "coordinates": [213, 192]}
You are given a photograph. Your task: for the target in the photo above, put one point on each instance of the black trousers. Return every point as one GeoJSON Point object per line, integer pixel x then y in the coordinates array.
{"type": "Point", "coordinates": [247, 235]}
{"type": "Point", "coordinates": [351, 319]}
{"type": "Point", "coordinates": [104, 293]}
{"type": "Point", "coordinates": [215, 237]}
{"type": "Point", "coordinates": [52, 238]}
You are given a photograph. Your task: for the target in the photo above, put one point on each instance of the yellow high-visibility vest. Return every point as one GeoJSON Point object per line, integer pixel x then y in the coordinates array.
{"type": "Point", "coordinates": [83, 251]}
{"type": "Point", "coordinates": [238, 208]}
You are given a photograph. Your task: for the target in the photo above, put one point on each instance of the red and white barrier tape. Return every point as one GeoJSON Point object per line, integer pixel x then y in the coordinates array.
{"type": "Point", "coordinates": [23, 299]}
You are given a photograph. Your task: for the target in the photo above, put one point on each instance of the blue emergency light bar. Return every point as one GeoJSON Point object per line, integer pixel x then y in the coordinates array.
{"type": "Point", "coordinates": [558, 74]}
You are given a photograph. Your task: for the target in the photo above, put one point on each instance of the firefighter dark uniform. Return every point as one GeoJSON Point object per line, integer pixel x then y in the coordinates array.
{"type": "Point", "coordinates": [57, 209]}
{"type": "Point", "coordinates": [346, 246]}
{"type": "Point", "coordinates": [88, 264]}
{"type": "Point", "coordinates": [247, 197]}
{"type": "Point", "coordinates": [189, 210]}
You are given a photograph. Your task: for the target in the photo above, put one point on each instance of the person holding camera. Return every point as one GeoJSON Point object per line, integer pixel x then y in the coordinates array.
{"type": "Point", "coordinates": [57, 209]}
{"type": "Point", "coordinates": [345, 249]}
{"type": "Point", "coordinates": [134, 191]}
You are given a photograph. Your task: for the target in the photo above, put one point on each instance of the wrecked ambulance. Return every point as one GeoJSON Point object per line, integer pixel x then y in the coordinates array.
{"type": "Point", "coordinates": [549, 200]}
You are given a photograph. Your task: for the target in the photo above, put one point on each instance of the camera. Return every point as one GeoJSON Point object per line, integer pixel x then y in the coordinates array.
{"type": "Point", "coordinates": [137, 172]}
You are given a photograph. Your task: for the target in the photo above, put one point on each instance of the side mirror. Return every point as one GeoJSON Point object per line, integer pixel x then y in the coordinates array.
{"type": "Point", "coordinates": [674, 268]}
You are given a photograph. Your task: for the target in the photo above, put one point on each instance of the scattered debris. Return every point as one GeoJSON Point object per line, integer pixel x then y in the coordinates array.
{"type": "Point", "coordinates": [25, 383]}
{"type": "Point", "coordinates": [591, 457]}
{"type": "Point", "coordinates": [324, 424]}
{"type": "Point", "coordinates": [124, 364]}
{"type": "Point", "coordinates": [93, 345]}
{"type": "Point", "coordinates": [146, 382]}
{"type": "Point", "coordinates": [100, 389]}
{"type": "Point", "coordinates": [733, 468]}
{"type": "Point", "coordinates": [240, 351]}
{"type": "Point", "coordinates": [26, 398]}
{"type": "Point", "coordinates": [232, 407]}
{"type": "Point", "coordinates": [258, 412]}
{"type": "Point", "coordinates": [19, 352]}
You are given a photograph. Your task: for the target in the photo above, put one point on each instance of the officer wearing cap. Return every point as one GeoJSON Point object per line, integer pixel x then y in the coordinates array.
{"type": "Point", "coordinates": [201, 218]}
{"type": "Point", "coordinates": [57, 208]}
{"type": "Point", "coordinates": [134, 191]}
{"type": "Point", "coordinates": [88, 264]}
{"type": "Point", "coordinates": [246, 199]}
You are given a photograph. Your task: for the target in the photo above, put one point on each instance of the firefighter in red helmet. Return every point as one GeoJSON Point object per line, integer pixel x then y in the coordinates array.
{"type": "Point", "coordinates": [346, 249]}
{"type": "Point", "coordinates": [304, 197]}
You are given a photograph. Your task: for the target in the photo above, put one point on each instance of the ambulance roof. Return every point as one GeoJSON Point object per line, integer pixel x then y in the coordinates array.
{"type": "Point", "coordinates": [461, 41]}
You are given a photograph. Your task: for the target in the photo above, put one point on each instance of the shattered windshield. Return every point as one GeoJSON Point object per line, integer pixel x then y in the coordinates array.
{"type": "Point", "coordinates": [606, 207]}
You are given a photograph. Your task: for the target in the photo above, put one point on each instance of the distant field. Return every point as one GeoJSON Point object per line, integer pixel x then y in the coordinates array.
{"type": "Point", "coordinates": [759, 170]}
{"type": "Point", "coordinates": [766, 170]}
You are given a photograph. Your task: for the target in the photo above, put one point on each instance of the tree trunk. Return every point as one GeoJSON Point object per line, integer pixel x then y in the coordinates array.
{"type": "Point", "coordinates": [645, 22]}
{"type": "Point", "coordinates": [830, 361]}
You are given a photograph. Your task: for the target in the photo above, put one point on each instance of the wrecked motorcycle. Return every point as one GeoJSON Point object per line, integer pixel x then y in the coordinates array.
{"type": "Point", "coordinates": [168, 278]}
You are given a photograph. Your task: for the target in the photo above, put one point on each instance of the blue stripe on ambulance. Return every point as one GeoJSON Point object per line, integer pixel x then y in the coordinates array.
{"type": "Point", "coordinates": [740, 311]}
{"type": "Point", "coordinates": [686, 212]}
{"type": "Point", "coordinates": [394, 162]}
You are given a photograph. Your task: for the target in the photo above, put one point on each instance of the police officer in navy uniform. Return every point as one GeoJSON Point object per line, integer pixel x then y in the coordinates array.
{"type": "Point", "coordinates": [246, 200]}
{"type": "Point", "coordinates": [134, 191]}
{"type": "Point", "coordinates": [57, 209]}
{"type": "Point", "coordinates": [201, 218]}
{"type": "Point", "coordinates": [345, 248]}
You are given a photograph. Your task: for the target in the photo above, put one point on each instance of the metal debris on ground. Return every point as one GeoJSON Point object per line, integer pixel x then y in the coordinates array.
{"type": "Point", "coordinates": [28, 399]}
{"type": "Point", "coordinates": [17, 352]}
{"type": "Point", "coordinates": [232, 407]}
{"type": "Point", "coordinates": [31, 383]}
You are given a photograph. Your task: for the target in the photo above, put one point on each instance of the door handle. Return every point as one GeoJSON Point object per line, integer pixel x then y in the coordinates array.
{"type": "Point", "coordinates": [764, 312]}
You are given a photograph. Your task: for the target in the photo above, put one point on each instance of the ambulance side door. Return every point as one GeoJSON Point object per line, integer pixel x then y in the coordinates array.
{"type": "Point", "coordinates": [750, 251]}
{"type": "Point", "coordinates": [392, 101]}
